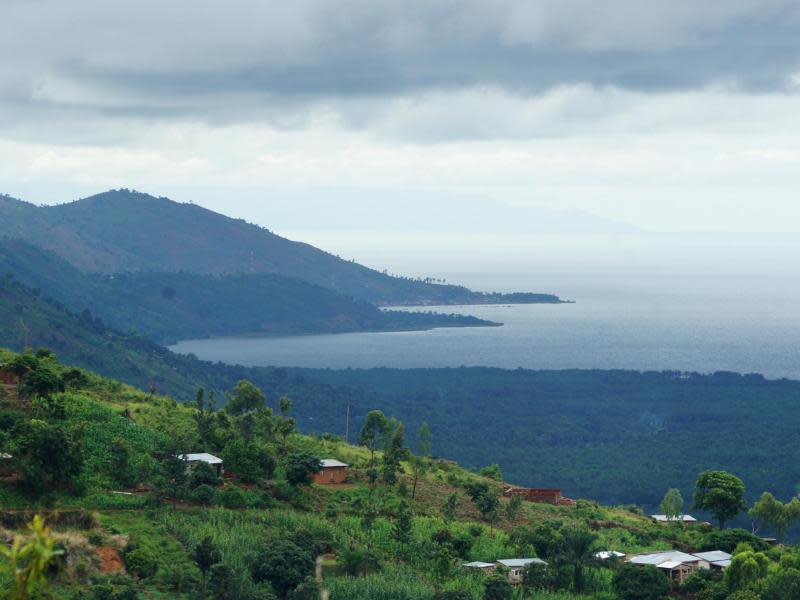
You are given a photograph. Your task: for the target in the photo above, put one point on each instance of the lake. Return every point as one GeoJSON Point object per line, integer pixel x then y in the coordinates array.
{"type": "Point", "coordinates": [621, 320]}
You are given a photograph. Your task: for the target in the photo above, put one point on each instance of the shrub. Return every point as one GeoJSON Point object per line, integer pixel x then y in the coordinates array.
{"type": "Point", "coordinates": [233, 497]}
{"type": "Point", "coordinates": [203, 474]}
{"type": "Point", "coordinates": [141, 562]}
{"type": "Point", "coordinates": [204, 494]}
{"type": "Point", "coordinates": [640, 582]}
{"type": "Point", "coordinates": [284, 565]}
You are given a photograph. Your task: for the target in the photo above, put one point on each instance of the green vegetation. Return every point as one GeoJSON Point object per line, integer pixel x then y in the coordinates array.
{"type": "Point", "coordinates": [167, 307]}
{"type": "Point", "coordinates": [133, 520]}
{"type": "Point", "coordinates": [122, 231]}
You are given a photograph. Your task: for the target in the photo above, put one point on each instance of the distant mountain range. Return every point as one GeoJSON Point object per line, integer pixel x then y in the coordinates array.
{"type": "Point", "coordinates": [127, 231]}
{"type": "Point", "coordinates": [168, 307]}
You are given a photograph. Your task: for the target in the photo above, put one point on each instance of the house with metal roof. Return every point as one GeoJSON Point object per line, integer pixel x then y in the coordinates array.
{"type": "Point", "coordinates": [671, 519]}
{"type": "Point", "coordinates": [482, 567]}
{"type": "Point", "coordinates": [608, 554]}
{"type": "Point", "coordinates": [718, 559]}
{"type": "Point", "coordinates": [331, 472]}
{"type": "Point", "coordinates": [516, 567]}
{"type": "Point", "coordinates": [678, 565]}
{"type": "Point", "coordinates": [205, 457]}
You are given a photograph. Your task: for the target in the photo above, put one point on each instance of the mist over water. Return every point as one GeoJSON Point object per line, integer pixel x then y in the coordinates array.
{"type": "Point", "coordinates": [691, 303]}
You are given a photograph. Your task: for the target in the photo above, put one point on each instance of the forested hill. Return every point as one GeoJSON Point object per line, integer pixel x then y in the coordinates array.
{"type": "Point", "coordinates": [123, 230]}
{"type": "Point", "coordinates": [618, 436]}
{"type": "Point", "coordinates": [167, 307]}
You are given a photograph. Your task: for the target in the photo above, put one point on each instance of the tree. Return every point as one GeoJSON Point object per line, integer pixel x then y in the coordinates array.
{"type": "Point", "coordinates": [205, 556]}
{"type": "Point", "coordinates": [223, 584]}
{"type": "Point", "coordinates": [497, 587]}
{"type": "Point", "coordinates": [402, 526]}
{"type": "Point", "coordinates": [721, 494]}
{"type": "Point", "coordinates": [537, 576]}
{"type": "Point", "coordinates": [301, 466]}
{"type": "Point", "coordinates": [47, 455]}
{"type": "Point", "coordinates": [424, 440]}
{"type": "Point", "coordinates": [770, 512]}
{"type": "Point", "coordinates": [486, 499]}
{"type": "Point", "coordinates": [285, 405]}
{"type": "Point", "coordinates": [514, 506]}
{"type": "Point", "coordinates": [284, 565]}
{"type": "Point", "coordinates": [672, 504]}
{"type": "Point", "coordinates": [783, 584]}
{"type": "Point", "coordinates": [450, 509]}
{"type": "Point", "coordinates": [244, 397]}
{"type": "Point", "coordinates": [26, 562]}
{"type": "Point", "coordinates": [640, 582]}
{"type": "Point", "coordinates": [577, 551]}
{"type": "Point", "coordinates": [745, 570]}
{"type": "Point", "coordinates": [394, 453]}
{"type": "Point", "coordinates": [492, 472]}
{"type": "Point", "coordinates": [42, 381]}
{"type": "Point", "coordinates": [250, 461]}
{"type": "Point", "coordinates": [372, 433]}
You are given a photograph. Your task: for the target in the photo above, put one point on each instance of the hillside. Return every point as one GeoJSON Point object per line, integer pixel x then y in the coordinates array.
{"type": "Point", "coordinates": [134, 522]}
{"type": "Point", "coordinates": [167, 307]}
{"type": "Point", "coordinates": [617, 436]}
{"type": "Point", "coordinates": [122, 231]}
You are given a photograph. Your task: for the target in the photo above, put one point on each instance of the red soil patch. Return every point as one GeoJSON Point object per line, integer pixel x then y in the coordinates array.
{"type": "Point", "coordinates": [110, 561]}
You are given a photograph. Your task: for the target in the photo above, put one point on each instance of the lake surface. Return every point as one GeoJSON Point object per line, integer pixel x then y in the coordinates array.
{"type": "Point", "coordinates": [621, 320]}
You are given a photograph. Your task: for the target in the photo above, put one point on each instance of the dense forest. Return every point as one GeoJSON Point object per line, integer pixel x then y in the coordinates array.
{"type": "Point", "coordinates": [123, 231]}
{"type": "Point", "coordinates": [168, 307]}
{"type": "Point", "coordinates": [617, 436]}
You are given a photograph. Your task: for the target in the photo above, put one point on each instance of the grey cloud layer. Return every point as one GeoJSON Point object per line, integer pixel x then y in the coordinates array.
{"type": "Point", "coordinates": [245, 59]}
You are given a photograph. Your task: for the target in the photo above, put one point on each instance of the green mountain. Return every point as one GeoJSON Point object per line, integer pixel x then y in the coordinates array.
{"type": "Point", "coordinates": [125, 231]}
{"type": "Point", "coordinates": [168, 307]}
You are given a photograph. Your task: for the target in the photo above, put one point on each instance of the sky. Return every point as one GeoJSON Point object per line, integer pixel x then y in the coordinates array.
{"type": "Point", "coordinates": [434, 116]}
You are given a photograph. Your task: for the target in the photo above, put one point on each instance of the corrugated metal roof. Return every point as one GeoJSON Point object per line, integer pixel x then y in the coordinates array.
{"type": "Point", "coordinates": [332, 462]}
{"type": "Point", "coordinates": [201, 457]}
{"type": "Point", "coordinates": [513, 563]}
{"type": "Point", "coordinates": [476, 564]}
{"type": "Point", "coordinates": [665, 518]}
{"type": "Point", "coordinates": [713, 555]}
{"type": "Point", "coordinates": [658, 558]}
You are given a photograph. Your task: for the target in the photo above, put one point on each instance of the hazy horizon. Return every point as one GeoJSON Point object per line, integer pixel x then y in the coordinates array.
{"type": "Point", "coordinates": [669, 117]}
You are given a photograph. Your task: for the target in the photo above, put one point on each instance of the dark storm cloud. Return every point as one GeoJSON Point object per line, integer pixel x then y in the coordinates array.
{"type": "Point", "coordinates": [244, 60]}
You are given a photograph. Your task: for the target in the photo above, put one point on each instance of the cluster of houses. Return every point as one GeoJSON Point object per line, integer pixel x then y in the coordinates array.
{"type": "Point", "coordinates": [515, 567]}
{"type": "Point", "coordinates": [331, 471]}
{"type": "Point", "coordinates": [677, 565]}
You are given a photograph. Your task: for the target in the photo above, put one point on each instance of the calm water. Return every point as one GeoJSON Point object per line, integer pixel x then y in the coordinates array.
{"type": "Point", "coordinates": [621, 320]}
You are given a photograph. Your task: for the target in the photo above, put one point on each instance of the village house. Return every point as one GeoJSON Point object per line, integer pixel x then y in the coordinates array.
{"type": "Point", "coordinates": [718, 559]}
{"type": "Point", "coordinates": [482, 567]}
{"type": "Point", "coordinates": [670, 519]}
{"type": "Point", "coordinates": [516, 567]}
{"type": "Point", "coordinates": [6, 469]}
{"type": "Point", "coordinates": [678, 565]}
{"type": "Point", "coordinates": [7, 377]}
{"type": "Point", "coordinates": [332, 471]}
{"type": "Point", "coordinates": [540, 495]}
{"type": "Point", "coordinates": [205, 457]}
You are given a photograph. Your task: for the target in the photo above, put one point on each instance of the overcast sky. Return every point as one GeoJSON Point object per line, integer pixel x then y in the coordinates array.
{"type": "Point", "coordinates": [664, 115]}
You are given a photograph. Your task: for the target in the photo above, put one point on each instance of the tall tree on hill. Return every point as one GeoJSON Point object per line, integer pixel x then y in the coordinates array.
{"type": "Point", "coordinates": [672, 504]}
{"type": "Point", "coordinates": [395, 452]}
{"type": "Point", "coordinates": [372, 433]}
{"type": "Point", "coordinates": [419, 463]}
{"type": "Point", "coordinates": [244, 397]}
{"type": "Point", "coordinates": [577, 551]}
{"type": "Point", "coordinates": [205, 556]}
{"type": "Point", "coordinates": [770, 512]}
{"type": "Point", "coordinates": [721, 494]}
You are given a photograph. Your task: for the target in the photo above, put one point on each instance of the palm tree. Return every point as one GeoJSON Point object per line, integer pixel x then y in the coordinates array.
{"type": "Point", "coordinates": [577, 550]}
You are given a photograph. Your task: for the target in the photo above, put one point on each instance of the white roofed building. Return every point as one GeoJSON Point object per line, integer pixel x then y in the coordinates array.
{"type": "Point", "coordinates": [205, 457]}
{"type": "Point", "coordinates": [678, 565]}
{"type": "Point", "coordinates": [516, 567]}
{"type": "Point", "coordinates": [671, 519]}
